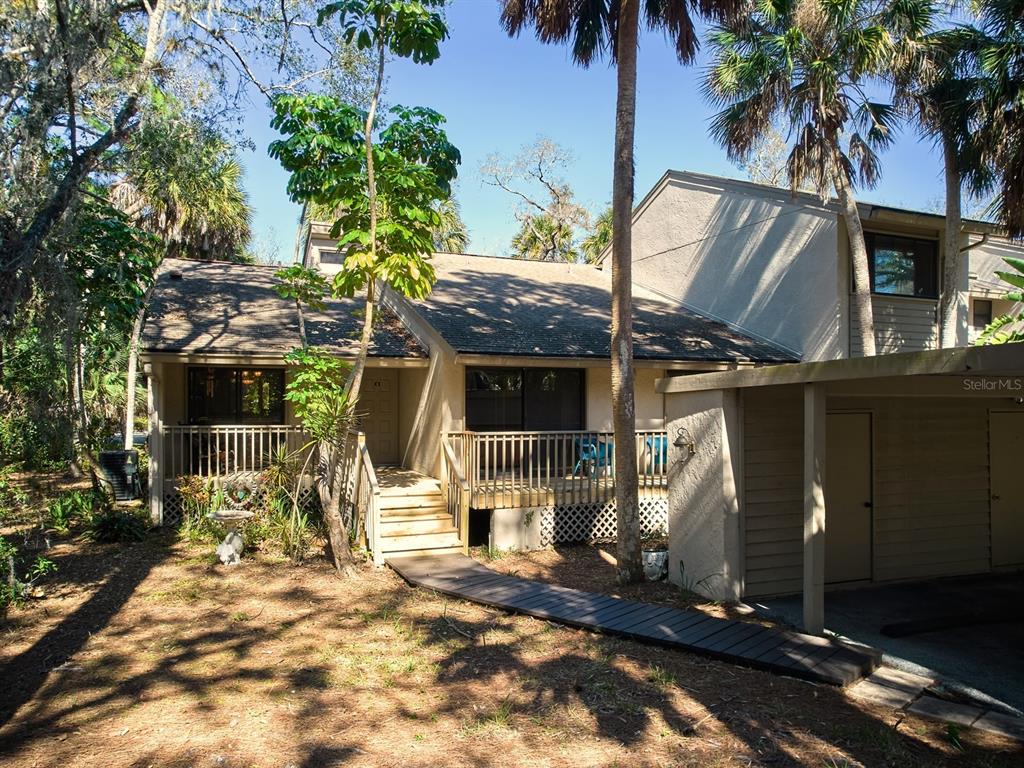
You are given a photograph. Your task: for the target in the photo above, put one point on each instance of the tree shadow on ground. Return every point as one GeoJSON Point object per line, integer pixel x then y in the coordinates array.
{"type": "Point", "coordinates": [27, 672]}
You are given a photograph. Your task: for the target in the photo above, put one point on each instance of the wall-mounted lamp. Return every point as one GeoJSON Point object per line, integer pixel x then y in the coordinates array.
{"type": "Point", "coordinates": [685, 440]}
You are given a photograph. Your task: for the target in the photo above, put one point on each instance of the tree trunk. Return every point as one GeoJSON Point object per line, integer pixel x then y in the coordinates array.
{"type": "Point", "coordinates": [865, 316]}
{"type": "Point", "coordinates": [133, 371]}
{"type": "Point", "coordinates": [341, 551]}
{"type": "Point", "coordinates": [949, 303]}
{"type": "Point", "coordinates": [355, 379]}
{"type": "Point", "coordinates": [630, 568]}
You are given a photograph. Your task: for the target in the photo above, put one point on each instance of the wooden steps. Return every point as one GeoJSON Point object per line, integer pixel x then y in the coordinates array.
{"type": "Point", "coordinates": [414, 519]}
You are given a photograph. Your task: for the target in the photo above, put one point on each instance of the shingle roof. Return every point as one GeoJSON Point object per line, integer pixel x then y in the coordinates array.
{"type": "Point", "coordinates": [489, 305]}
{"type": "Point", "coordinates": [223, 308]}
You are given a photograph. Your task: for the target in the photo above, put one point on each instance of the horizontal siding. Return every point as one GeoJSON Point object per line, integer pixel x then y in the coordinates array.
{"type": "Point", "coordinates": [901, 325]}
{"type": "Point", "coordinates": [931, 488]}
{"type": "Point", "coordinates": [773, 490]}
{"type": "Point", "coordinates": [931, 513]}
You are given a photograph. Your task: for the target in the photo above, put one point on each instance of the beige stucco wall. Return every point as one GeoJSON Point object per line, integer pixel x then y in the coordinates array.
{"type": "Point", "coordinates": [752, 257]}
{"type": "Point", "coordinates": [703, 495]}
{"type": "Point", "coordinates": [650, 406]}
{"type": "Point", "coordinates": [438, 406]}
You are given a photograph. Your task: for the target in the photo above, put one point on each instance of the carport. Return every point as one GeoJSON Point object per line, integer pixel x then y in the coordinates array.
{"type": "Point", "coordinates": [794, 479]}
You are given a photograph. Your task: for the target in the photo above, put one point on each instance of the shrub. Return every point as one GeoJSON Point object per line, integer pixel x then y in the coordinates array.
{"type": "Point", "coordinates": [196, 500]}
{"type": "Point", "coordinates": [116, 525]}
{"type": "Point", "coordinates": [71, 506]}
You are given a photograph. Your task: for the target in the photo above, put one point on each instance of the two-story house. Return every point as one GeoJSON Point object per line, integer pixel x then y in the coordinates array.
{"type": "Point", "coordinates": [776, 265]}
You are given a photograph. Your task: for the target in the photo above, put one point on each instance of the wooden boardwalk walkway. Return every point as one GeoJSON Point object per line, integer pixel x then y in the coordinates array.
{"type": "Point", "coordinates": [789, 653]}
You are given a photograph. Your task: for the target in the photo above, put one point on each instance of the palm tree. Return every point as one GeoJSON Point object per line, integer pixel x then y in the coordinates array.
{"type": "Point", "coordinates": [998, 48]}
{"type": "Point", "coordinates": [612, 28]}
{"type": "Point", "coordinates": [938, 89]}
{"type": "Point", "coordinates": [599, 238]}
{"type": "Point", "coordinates": [808, 64]}
{"type": "Point", "coordinates": [183, 184]}
{"type": "Point", "coordinates": [541, 238]}
{"type": "Point", "coordinates": [450, 235]}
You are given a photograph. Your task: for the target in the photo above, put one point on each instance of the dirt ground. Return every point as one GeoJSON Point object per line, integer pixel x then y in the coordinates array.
{"type": "Point", "coordinates": [153, 655]}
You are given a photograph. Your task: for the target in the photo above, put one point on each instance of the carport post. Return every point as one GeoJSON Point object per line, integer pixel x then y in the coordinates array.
{"type": "Point", "coordinates": [814, 508]}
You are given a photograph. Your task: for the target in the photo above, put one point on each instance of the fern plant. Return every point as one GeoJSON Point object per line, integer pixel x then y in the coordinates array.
{"type": "Point", "coordinates": [1009, 328]}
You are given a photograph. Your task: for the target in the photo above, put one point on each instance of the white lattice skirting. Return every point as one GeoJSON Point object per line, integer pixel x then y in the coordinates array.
{"type": "Point", "coordinates": [587, 523]}
{"type": "Point", "coordinates": [172, 512]}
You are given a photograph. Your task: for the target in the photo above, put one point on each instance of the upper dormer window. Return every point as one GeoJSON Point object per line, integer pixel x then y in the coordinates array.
{"type": "Point", "coordinates": [902, 266]}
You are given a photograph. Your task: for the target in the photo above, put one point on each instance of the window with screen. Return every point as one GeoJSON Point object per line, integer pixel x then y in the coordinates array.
{"type": "Point", "coordinates": [515, 399]}
{"type": "Point", "coordinates": [902, 266]}
{"type": "Point", "coordinates": [331, 257]}
{"type": "Point", "coordinates": [981, 313]}
{"type": "Point", "coordinates": [218, 395]}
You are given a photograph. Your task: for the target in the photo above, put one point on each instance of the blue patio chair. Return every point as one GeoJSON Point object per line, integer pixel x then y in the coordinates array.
{"type": "Point", "coordinates": [593, 454]}
{"type": "Point", "coordinates": [657, 449]}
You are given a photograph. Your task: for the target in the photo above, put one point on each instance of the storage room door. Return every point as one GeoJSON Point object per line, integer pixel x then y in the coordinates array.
{"type": "Point", "coordinates": [1006, 447]}
{"type": "Point", "coordinates": [378, 406]}
{"type": "Point", "coordinates": [848, 498]}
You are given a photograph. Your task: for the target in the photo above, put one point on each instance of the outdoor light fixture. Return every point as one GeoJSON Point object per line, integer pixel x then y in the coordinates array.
{"type": "Point", "coordinates": [685, 440]}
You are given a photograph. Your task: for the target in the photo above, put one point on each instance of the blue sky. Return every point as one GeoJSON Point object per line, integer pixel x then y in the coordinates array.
{"type": "Point", "coordinates": [499, 94]}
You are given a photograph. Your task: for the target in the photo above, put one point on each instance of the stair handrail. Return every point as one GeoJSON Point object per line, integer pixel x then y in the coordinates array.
{"type": "Point", "coordinates": [452, 471]}
{"type": "Point", "coordinates": [371, 514]}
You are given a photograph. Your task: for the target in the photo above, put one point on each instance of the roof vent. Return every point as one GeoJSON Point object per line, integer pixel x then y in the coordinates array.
{"type": "Point", "coordinates": [175, 275]}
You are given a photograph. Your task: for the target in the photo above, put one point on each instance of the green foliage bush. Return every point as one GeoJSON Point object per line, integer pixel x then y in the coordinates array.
{"type": "Point", "coordinates": [66, 509]}
{"type": "Point", "coordinates": [196, 499]}
{"type": "Point", "coordinates": [111, 525]}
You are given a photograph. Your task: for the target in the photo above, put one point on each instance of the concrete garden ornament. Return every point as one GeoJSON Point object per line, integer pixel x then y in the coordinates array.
{"type": "Point", "coordinates": [654, 554]}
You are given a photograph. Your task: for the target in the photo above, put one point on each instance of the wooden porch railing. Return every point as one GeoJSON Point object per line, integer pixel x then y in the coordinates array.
{"type": "Point", "coordinates": [217, 451]}
{"type": "Point", "coordinates": [367, 496]}
{"type": "Point", "coordinates": [522, 469]}
{"type": "Point", "coordinates": [455, 488]}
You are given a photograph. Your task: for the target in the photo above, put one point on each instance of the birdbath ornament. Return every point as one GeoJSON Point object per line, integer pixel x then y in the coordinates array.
{"type": "Point", "coordinates": [230, 550]}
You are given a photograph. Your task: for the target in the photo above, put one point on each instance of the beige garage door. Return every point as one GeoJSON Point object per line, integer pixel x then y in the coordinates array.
{"type": "Point", "coordinates": [378, 407]}
{"type": "Point", "coordinates": [1006, 434]}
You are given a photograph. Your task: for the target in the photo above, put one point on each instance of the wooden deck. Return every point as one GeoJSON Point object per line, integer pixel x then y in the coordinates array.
{"type": "Point", "coordinates": [788, 653]}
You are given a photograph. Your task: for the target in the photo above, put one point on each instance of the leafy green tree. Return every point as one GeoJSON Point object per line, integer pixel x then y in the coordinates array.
{"type": "Point", "coordinates": [1009, 328]}
{"type": "Point", "coordinates": [389, 242]}
{"type": "Point", "coordinates": [593, 30]}
{"type": "Point", "coordinates": [414, 149]}
{"type": "Point", "coordinates": [810, 64]}
{"type": "Point", "coordinates": [383, 183]}
{"type": "Point", "coordinates": [937, 90]}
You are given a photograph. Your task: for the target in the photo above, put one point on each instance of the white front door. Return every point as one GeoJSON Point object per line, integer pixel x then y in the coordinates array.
{"type": "Point", "coordinates": [378, 410]}
{"type": "Point", "coordinates": [848, 498]}
{"type": "Point", "coordinates": [1006, 447]}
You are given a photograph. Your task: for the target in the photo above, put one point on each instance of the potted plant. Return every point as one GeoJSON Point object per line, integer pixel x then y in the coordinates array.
{"type": "Point", "coordinates": [654, 546]}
